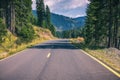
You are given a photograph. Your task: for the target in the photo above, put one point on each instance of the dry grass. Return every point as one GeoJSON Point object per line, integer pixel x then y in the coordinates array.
{"type": "Point", "coordinates": [77, 40]}
{"type": "Point", "coordinates": [4, 55]}
{"type": "Point", "coordinates": [10, 47]}
{"type": "Point", "coordinates": [108, 56]}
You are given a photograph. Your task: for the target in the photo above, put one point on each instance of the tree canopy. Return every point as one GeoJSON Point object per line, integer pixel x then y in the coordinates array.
{"type": "Point", "coordinates": [103, 23]}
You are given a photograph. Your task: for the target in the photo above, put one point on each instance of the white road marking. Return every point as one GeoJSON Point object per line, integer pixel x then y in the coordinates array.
{"type": "Point", "coordinates": [49, 54]}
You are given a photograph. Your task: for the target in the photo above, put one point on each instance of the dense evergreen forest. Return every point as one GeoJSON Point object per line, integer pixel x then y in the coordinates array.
{"type": "Point", "coordinates": [102, 27]}
{"type": "Point", "coordinates": [16, 16]}
{"type": "Point", "coordinates": [73, 33]}
{"type": "Point", "coordinates": [103, 24]}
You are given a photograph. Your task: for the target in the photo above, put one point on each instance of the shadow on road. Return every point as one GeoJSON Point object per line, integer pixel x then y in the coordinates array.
{"type": "Point", "coordinates": [55, 45]}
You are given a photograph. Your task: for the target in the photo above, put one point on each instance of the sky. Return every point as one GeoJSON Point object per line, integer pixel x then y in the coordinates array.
{"type": "Point", "coordinates": [70, 8]}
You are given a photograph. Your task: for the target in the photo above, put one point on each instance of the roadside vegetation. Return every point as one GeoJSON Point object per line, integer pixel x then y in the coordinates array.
{"type": "Point", "coordinates": [17, 25]}
{"type": "Point", "coordinates": [11, 46]}
{"type": "Point", "coordinates": [102, 32]}
{"type": "Point", "coordinates": [102, 27]}
{"type": "Point", "coordinates": [109, 56]}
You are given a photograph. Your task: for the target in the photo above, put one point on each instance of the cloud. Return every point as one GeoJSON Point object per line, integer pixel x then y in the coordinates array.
{"type": "Point", "coordinates": [71, 8]}
{"type": "Point", "coordinates": [52, 3]}
{"type": "Point", "coordinates": [75, 4]}
{"type": "Point", "coordinates": [33, 4]}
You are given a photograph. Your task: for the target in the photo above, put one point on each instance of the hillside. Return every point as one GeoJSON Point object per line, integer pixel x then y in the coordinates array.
{"type": "Point", "coordinates": [63, 23]}
{"type": "Point", "coordinates": [11, 43]}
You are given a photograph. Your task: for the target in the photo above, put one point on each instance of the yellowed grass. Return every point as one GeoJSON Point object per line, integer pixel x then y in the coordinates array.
{"type": "Point", "coordinates": [10, 47]}
{"type": "Point", "coordinates": [77, 40]}
{"type": "Point", "coordinates": [4, 55]}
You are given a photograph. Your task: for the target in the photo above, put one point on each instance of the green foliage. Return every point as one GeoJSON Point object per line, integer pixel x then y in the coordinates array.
{"type": "Point", "coordinates": [43, 16]}
{"type": "Point", "coordinates": [72, 33]}
{"type": "Point", "coordinates": [18, 18]}
{"type": "Point", "coordinates": [48, 17]}
{"type": "Point", "coordinates": [23, 19]}
{"type": "Point", "coordinates": [26, 33]}
{"type": "Point", "coordinates": [33, 20]}
{"type": "Point", "coordinates": [102, 23]}
{"type": "Point", "coordinates": [3, 30]}
{"type": "Point", "coordinates": [44, 24]}
{"type": "Point", "coordinates": [40, 12]}
{"type": "Point", "coordinates": [52, 29]}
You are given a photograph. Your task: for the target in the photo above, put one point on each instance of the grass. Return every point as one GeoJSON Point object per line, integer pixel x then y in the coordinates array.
{"type": "Point", "coordinates": [110, 57]}
{"type": "Point", "coordinates": [9, 46]}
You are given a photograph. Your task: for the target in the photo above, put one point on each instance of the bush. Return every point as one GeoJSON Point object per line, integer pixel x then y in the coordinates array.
{"type": "Point", "coordinates": [25, 33]}
{"type": "Point", "coordinates": [52, 29]}
{"type": "Point", "coordinates": [3, 31]}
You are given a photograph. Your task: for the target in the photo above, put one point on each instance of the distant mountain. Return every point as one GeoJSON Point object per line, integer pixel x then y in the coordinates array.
{"type": "Point", "coordinates": [34, 13]}
{"type": "Point", "coordinates": [63, 23]}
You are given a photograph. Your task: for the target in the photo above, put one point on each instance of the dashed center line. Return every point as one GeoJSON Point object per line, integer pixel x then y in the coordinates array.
{"type": "Point", "coordinates": [49, 54]}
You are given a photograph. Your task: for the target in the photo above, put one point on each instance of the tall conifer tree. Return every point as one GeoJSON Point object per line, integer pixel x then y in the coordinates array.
{"type": "Point", "coordinates": [40, 12]}
{"type": "Point", "coordinates": [48, 16]}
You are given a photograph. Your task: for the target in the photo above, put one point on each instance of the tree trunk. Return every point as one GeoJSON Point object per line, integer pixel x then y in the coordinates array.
{"type": "Point", "coordinates": [12, 19]}
{"type": "Point", "coordinates": [116, 28]}
{"type": "Point", "coordinates": [110, 26]}
{"type": "Point", "coordinates": [10, 11]}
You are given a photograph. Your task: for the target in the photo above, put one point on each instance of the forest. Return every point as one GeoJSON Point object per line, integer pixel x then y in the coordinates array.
{"type": "Point", "coordinates": [16, 16]}
{"type": "Point", "coordinates": [102, 27]}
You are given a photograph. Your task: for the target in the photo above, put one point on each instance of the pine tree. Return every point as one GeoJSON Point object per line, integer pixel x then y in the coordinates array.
{"type": "Point", "coordinates": [24, 28]}
{"type": "Point", "coordinates": [116, 5]}
{"type": "Point", "coordinates": [102, 23]}
{"type": "Point", "coordinates": [52, 29]}
{"type": "Point", "coordinates": [40, 12]}
{"type": "Point", "coordinates": [48, 17]}
{"type": "Point", "coordinates": [10, 15]}
{"type": "Point", "coordinates": [16, 15]}
{"type": "Point", "coordinates": [3, 31]}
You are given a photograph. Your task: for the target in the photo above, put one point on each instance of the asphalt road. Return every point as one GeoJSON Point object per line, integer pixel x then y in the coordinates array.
{"type": "Point", "coordinates": [53, 60]}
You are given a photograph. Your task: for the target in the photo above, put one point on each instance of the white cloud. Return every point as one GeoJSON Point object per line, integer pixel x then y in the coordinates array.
{"type": "Point", "coordinates": [65, 4]}
{"type": "Point", "coordinates": [51, 3]}
{"type": "Point", "coordinates": [75, 4]}
{"type": "Point", "coordinates": [87, 1]}
{"type": "Point", "coordinates": [71, 8]}
{"type": "Point", "coordinates": [34, 4]}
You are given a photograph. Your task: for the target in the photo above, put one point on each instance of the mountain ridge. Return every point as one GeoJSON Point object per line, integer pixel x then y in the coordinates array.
{"type": "Point", "coordinates": [63, 23]}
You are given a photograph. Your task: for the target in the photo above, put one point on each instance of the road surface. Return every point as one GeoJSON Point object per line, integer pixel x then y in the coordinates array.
{"type": "Point", "coordinates": [53, 60]}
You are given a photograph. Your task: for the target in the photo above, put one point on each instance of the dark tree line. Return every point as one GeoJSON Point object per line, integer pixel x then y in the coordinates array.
{"type": "Point", "coordinates": [103, 23]}
{"type": "Point", "coordinates": [74, 33]}
{"type": "Point", "coordinates": [7, 13]}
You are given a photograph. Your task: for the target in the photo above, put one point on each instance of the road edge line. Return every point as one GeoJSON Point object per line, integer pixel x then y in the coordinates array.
{"type": "Point", "coordinates": [107, 67]}
{"type": "Point", "coordinates": [12, 55]}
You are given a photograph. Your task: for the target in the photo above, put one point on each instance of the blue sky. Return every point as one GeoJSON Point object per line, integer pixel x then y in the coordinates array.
{"type": "Point", "coordinates": [70, 8]}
